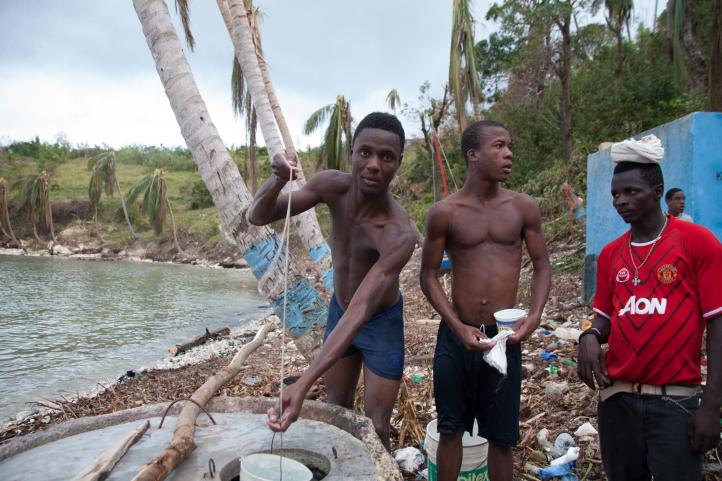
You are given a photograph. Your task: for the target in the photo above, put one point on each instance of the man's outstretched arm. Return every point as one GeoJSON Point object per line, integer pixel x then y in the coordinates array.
{"type": "Point", "coordinates": [398, 247]}
{"type": "Point", "coordinates": [269, 206]}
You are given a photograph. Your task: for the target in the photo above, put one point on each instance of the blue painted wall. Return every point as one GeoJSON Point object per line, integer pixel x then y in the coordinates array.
{"type": "Point", "coordinates": [692, 161]}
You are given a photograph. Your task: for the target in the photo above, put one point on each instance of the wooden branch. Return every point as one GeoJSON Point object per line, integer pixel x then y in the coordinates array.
{"type": "Point", "coordinates": [420, 359]}
{"type": "Point", "coordinates": [182, 443]}
{"type": "Point", "coordinates": [181, 348]}
{"type": "Point", "coordinates": [103, 465]}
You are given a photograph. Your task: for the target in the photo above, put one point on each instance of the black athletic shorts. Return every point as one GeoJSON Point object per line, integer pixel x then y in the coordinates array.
{"type": "Point", "coordinates": [467, 388]}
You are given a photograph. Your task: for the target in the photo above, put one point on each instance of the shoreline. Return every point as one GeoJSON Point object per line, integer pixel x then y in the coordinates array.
{"type": "Point", "coordinates": [106, 254]}
{"type": "Point", "coordinates": [221, 348]}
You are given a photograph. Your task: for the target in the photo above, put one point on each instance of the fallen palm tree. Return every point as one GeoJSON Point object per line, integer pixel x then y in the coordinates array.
{"type": "Point", "coordinates": [182, 443]}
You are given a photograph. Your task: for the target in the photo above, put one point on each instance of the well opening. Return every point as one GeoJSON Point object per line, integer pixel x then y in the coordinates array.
{"type": "Point", "coordinates": [319, 464]}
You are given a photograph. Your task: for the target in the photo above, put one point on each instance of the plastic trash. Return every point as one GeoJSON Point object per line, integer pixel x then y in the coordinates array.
{"type": "Point", "coordinates": [585, 429]}
{"type": "Point", "coordinates": [548, 357]}
{"type": "Point", "coordinates": [569, 362]}
{"type": "Point", "coordinates": [567, 333]}
{"type": "Point", "coordinates": [423, 474]}
{"type": "Point", "coordinates": [571, 455]}
{"type": "Point", "coordinates": [553, 346]}
{"type": "Point", "coordinates": [417, 378]}
{"type": "Point", "coordinates": [409, 459]}
{"type": "Point", "coordinates": [496, 356]}
{"type": "Point", "coordinates": [555, 389]}
{"type": "Point", "coordinates": [563, 442]}
{"type": "Point", "coordinates": [563, 471]}
{"type": "Point", "coordinates": [541, 439]}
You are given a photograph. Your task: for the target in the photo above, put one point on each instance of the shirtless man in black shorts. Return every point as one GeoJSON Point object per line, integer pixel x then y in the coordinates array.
{"type": "Point", "coordinates": [371, 241]}
{"type": "Point", "coordinates": [482, 227]}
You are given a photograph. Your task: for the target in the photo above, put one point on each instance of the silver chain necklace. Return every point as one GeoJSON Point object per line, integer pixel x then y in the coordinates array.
{"type": "Point", "coordinates": [636, 280]}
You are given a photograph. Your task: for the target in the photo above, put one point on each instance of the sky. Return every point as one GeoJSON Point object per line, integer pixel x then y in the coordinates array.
{"type": "Point", "coordinates": [81, 70]}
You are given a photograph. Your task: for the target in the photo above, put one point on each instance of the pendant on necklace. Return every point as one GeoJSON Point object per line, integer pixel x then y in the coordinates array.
{"type": "Point", "coordinates": [636, 281]}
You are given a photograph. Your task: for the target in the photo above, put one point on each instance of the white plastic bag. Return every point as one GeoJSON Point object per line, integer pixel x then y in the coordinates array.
{"type": "Point", "coordinates": [496, 356]}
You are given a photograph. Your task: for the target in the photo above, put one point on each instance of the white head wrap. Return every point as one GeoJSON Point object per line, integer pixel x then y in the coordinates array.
{"type": "Point", "coordinates": [648, 150]}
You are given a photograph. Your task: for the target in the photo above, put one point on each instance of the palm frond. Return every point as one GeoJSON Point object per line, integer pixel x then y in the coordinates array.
{"type": "Point", "coordinates": [182, 7]}
{"type": "Point", "coordinates": [239, 95]}
{"type": "Point", "coordinates": [393, 99]}
{"type": "Point", "coordinates": [330, 148]}
{"type": "Point", "coordinates": [317, 118]}
{"type": "Point", "coordinates": [95, 188]}
{"type": "Point", "coordinates": [153, 188]}
{"type": "Point", "coordinates": [138, 188]}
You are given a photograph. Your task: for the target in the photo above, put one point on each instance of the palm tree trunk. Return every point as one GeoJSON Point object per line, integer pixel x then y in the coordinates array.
{"type": "Point", "coordinates": [125, 210]}
{"type": "Point", "coordinates": [619, 62]}
{"type": "Point", "coordinates": [220, 173]}
{"type": "Point", "coordinates": [6, 217]}
{"type": "Point", "coordinates": [251, 166]}
{"type": "Point", "coordinates": [172, 222]}
{"type": "Point", "coordinates": [52, 228]}
{"type": "Point", "coordinates": [306, 223]}
{"type": "Point", "coordinates": [35, 232]}
{"type": "Point", "coordinates": [566, 100]}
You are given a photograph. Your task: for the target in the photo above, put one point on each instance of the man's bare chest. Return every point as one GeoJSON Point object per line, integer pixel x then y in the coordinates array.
{"type": "Point", "coordinates": [469, 229]}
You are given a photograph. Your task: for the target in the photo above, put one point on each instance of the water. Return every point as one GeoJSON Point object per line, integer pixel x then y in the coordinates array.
{"type": "Point", "coordinates": [68, 324]}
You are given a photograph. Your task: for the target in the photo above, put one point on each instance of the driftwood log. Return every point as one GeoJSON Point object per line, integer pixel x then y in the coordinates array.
{"type": "Point", "coordinates": [181, 348]}
{"type": "Point", "coordinates": [102, 467]}
{"type": "Point", "coordinates": [182, 443]}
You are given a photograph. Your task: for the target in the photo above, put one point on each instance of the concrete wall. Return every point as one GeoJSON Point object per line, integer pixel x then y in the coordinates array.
{"type": "Point", "coordinates": [692, 161]}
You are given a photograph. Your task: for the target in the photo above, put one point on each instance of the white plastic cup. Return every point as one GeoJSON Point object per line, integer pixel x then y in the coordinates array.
{"type": "Point", "coordinates": [506, 318]}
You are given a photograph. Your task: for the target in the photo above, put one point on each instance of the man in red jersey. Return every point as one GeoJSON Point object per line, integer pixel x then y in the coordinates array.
{"type": "Point", "coordinates": [658, 288]}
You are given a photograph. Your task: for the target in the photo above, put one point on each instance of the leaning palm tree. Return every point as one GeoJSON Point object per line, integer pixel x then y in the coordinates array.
{"type": "Point", "coordinates": [463, 80]}
{"type": "Point", "coordinates": [155, 203]}
{"type": "Point", "coordinates": [393, 100]}
{"type": "Point", "coordinates": [5, 225]}
{"type": "Point", "coordinates": [225, 184]}
{"type": "Point", "coordinates": [618, 15]}
{"type": "Point", "coordinates": [103, 178]}
{"type": "Point", "coordinates": [246, 40]}
{"type": "Point", "coordinates": [337, 138]}
{"type": "Point", "coordinates": [33, 194]}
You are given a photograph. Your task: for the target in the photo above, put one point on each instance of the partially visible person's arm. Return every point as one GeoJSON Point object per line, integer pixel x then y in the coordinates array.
{"type": "Point", "coordinates": [432, 253]}
{"type": "Point", "coordinates": [590, 360]}
{"type": "Point", "coordinates": [542, 277]}
{"type": "Point", "coordinates": [705, 252]}
{"type": "Point", "coordinates": [398, 245]}
{"type": "Point", "coordinates": [704, 425]}
{"type": "Point", "coordinates": [268, 206]}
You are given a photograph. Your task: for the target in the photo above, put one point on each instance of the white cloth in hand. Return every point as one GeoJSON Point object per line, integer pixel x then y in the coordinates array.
{"type": "Point", "coordinates": [496, 356]}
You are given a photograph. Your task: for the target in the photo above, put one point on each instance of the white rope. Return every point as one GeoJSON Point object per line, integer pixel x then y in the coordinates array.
{"type": "Point", "coordinates": [285, 241]}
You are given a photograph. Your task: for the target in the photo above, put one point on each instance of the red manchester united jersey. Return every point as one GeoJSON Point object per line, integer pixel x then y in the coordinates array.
{"type": "Point", "coordinates": [658, 322]}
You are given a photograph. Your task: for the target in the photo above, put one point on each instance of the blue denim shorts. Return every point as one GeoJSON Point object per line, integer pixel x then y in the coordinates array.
{"type": "Point", "coordinates": [380, 341]}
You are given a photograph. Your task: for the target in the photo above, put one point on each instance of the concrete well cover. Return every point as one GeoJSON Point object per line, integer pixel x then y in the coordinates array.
{"type": "Point", "coordinates": [63, 451]}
